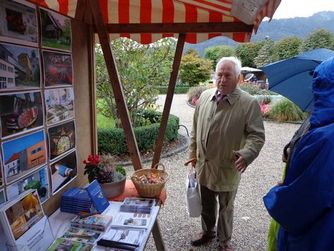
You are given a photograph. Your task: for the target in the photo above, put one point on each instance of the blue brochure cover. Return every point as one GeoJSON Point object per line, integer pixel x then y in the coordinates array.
{"type": "Point", "coordinates": [96, 194]}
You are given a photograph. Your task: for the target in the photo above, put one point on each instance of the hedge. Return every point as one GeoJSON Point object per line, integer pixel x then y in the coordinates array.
{"type": "Point", "coordinates": [178, 89]}
{"type": "Point", "coordinates": [112, 140]}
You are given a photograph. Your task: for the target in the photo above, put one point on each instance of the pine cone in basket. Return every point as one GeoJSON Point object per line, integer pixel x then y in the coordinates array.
{"type": "Point", "coordinates": [150, 178]}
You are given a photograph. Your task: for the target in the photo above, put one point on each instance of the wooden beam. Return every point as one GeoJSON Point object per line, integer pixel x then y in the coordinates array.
{"type": "Point", "coordinates": [180, 28]}
{"type": "Point", "coordinates": [116, 85]}
{"type": "Point", "coordinates": [169, 98]}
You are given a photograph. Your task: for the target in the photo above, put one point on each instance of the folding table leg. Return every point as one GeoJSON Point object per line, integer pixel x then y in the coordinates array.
{"type": "Point", "coordinates": [159, 243]}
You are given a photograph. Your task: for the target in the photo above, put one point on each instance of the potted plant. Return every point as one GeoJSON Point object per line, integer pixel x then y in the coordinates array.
{"type": "Point", "coordinates": [111, 178]}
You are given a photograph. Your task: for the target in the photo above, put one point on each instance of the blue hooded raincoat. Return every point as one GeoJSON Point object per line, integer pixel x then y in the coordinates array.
{"type": "Point", "coordinates": [304, 204]}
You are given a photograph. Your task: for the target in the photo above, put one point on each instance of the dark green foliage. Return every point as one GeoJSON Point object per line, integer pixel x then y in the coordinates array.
{"type": "Point", "coordinates": [178, 89]}
{"type": "Point", "coordinates": [112, 141]}
{"type": "Point", "coordinates": [319, 39]}
{"type": "Point", "coordinates": [193, 69]}
{"type": "Point", "coordinates": [265, 54]}
{"type": "Point", "coordinates": [287, 48]}
{"type": "Point", "coordinates": [247, 53]}
{"type": "Point", "coordinates": [217, 52]}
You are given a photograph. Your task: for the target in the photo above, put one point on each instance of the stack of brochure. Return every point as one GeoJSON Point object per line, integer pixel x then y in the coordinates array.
{"type": "Point", "coordinates": [76, 200]}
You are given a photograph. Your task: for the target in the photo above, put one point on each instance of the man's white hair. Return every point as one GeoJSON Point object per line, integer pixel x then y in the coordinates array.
{"type": "Point", "coordinates": [236, 62]}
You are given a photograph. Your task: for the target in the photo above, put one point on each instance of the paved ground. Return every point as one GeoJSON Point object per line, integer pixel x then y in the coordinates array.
{"type": "Point", "coordinates": [250, 217]}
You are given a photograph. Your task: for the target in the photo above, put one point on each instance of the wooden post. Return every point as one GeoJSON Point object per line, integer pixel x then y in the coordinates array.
{"type": "Point", "coordinates": [169, 98]}
{"type": "Point", "coordinates": [116, 84]}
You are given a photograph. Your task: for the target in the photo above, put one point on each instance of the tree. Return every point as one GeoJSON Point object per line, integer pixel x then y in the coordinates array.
{"type": "Point", "coordinates": [142, 68]}
{"type": "Point", "coordinates": [193, 69]}
{"type": "Point", "coordinates": [215, 53]}
{"type": "Point", "coordinates": [319, 39]}
{"type": "Point", "coordinates": [265, 54]}
{"type": "Point", "coordinates": [287, 48]}
{"type": "Point", "coordinates": [248, 52]}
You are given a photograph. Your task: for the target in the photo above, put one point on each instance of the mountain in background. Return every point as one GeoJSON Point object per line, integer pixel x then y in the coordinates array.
{"type": "Point", "coordinates": [277, 29]}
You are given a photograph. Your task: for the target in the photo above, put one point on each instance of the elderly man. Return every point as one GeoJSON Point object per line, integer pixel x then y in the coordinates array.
{"type": "Point", "coordinates": [227, 135]}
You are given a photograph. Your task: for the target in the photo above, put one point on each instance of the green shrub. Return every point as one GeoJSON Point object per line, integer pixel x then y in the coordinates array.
{"type": "Point", "coordinates": [112, 140]}
{"type": "Point", "coordinates": [178, 89]}
{"type": "Point", "coordinates": [255, 90]}
{"type": "Point", "coordinates": [285, 110]}
{"type": "Point", "coordinates": [195, 92]}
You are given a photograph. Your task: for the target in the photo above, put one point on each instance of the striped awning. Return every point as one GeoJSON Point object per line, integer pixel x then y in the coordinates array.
{"type": "Point", "coordinates": [146, 21]}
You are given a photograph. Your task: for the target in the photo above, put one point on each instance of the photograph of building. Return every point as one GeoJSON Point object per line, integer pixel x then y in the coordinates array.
{"type": "Point", "coordinates": [19, 67]}
{"type": "Point", "coordinates": [22, 155]}
{"type": "Point", "coordinates": [56, 30]}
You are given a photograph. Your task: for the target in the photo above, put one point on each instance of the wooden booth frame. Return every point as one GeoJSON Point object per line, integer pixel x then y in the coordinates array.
{"type": "Point", "coordinates": [89, 23]}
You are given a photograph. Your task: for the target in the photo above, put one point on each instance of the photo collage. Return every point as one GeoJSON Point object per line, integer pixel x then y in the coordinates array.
{"type": "Point", "coordinates": [37, 116]}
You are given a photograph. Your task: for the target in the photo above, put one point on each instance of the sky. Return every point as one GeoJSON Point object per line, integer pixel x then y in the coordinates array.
{"type": "Point", "coordinates": [302, 8]}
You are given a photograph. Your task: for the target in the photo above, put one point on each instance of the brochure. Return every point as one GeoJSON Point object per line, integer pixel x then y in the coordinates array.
{"type": "Point", "coordinates": [131, 220]}
{"type": "Point", "coordinates": [137, 205]}
{"type": "Point", "coordinates": [96, 222]}
{"type": "Point", "coordinates": [65, 244]}
{"type": "Point", "coordinates": [98, 198]}
{"type": "Point", "coordinates": [81, 235]}
{"type": "Point", "coordinates": [24, 223]}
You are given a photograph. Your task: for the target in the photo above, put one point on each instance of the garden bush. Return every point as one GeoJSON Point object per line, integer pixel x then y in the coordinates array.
{"type": "Point", "coordinates": [194, 93]}
{"type": "Point", "coordinates": [182, 89]}
{"type": "Point", "coordinates": [112, 140]}
{"type": "Point", "coordinates": [255, 90]}
{"type": "Point", "coordinates": [285, 110]}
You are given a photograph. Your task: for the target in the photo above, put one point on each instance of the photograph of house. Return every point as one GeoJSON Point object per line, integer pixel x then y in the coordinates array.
{"type": "Point", "coordinates": [20, 112]}
{"type": "Point", "coordinates": [56, 30]}
{"type": "Point", "coordinates": [22, 155]}
{"type": "Point", "coordinates": [38, 180]}
{"type": "Point", "coordinates": [63, 171]}
{"type": "Point", "coordinates": [59, 104]}
{"type": "Point", "coordinates": [57, 68]}
{"type": "Point", "coordinates": [61, 139]}
{"type": "Point", "coordinates": [18, 23]}
{"type": "Point", "coordinates": [19, 67]}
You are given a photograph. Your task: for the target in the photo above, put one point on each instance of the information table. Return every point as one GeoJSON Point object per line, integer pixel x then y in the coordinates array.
{"type": "Point", "coordinates": [60, 222]}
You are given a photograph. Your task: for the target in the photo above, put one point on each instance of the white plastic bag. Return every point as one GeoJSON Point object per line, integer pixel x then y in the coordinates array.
{"type": "Point", "coordinates": [193, 195]}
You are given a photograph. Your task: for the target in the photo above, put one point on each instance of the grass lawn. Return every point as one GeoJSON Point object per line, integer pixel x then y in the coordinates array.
{"type": "Point", "coordinates": [104, 122]}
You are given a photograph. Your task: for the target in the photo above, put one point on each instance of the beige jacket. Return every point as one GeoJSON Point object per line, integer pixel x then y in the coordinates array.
{"type": "Point", "coordinates": [235, 124]}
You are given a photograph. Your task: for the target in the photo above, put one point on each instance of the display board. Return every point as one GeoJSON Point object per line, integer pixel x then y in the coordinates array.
{"type": "Point", "coordinates": [38, 125]}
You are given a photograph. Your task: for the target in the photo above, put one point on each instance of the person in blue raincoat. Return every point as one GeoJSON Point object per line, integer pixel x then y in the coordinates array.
{"type": "Point", "coordinates": [304, 204]}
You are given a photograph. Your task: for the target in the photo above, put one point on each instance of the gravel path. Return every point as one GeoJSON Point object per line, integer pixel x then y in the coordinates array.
{"type": "Point", "coordinates": [250, 217]}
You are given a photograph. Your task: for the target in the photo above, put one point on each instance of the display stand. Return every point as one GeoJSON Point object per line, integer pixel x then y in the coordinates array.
{"type": "Point", "coordinates": [60, 221]}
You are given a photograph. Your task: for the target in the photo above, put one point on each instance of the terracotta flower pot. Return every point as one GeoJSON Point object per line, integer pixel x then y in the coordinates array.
{"type": "Point", "coordinates": [114, 189]}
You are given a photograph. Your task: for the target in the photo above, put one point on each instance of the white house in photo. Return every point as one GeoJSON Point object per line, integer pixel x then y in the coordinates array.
{"type": "Point", "coordinates": [7, 75]}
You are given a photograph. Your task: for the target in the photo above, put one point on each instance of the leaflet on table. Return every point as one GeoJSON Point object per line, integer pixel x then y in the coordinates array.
{"type": "Point", "coordinates": [137, 205]}
{"type": "Point", "coordinates": [97, 222]}
{"type": "Point", "coordinates": [131, 220]}
{"type": "Point", "coordinates": [123, 236]}
{"type": "Point", "coordinates": [81, 235]}
{"type": "Point", "coordinates": [66, 244]}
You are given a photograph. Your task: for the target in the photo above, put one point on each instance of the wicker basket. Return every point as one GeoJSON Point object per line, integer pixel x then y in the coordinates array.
{"type": "Point", "coordinates": [150, 190]}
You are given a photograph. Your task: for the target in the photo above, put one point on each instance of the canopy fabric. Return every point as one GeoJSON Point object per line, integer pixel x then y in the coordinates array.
{"type": "Point", "coordinates": [174, 12]}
